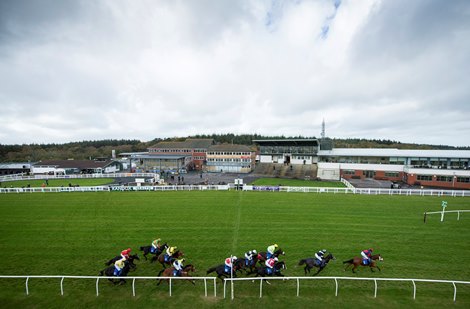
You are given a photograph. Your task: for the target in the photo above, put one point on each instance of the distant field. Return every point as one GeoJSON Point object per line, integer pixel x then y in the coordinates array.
{"type": "Point", "coordinates": [296, 183]}
{"type": "Point", "coordinates": [75, 233]}
{"type": "Point", "coordinates": [58, 182]}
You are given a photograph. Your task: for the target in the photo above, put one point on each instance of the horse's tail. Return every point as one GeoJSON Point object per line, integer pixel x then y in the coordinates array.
{"type": "Point", "coordinates": [348, 261]}
{"type": "Point", "coordinates": [211, 269]}
{"type": "Point", "coordinates": [302, 262]}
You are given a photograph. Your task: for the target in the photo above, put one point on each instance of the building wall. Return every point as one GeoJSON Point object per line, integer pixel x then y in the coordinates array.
{"type": "Point", "coordinates": [230, 162]}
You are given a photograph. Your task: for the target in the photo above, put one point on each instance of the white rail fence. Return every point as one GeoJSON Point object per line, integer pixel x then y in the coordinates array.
{"type": "Point", "coordinates": [337, 279]}
{"type": "Point", "coordinates": [442, 213]}
{"type": "Point", "coordinates": [98, 278]}
{"type": "Point", "coordinates": [75, 176]}
{"type": "Point", "coordinates": [367, 191]}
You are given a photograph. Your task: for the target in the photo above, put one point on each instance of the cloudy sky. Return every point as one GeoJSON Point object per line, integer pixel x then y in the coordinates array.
{"type": "Point", "coordinates": [88, 70]}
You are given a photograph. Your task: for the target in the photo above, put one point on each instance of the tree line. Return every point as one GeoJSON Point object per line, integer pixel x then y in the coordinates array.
{"type": "Point", "coordinates": [103, 148]}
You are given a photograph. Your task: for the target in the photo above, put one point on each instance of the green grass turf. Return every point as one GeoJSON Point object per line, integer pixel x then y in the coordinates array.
{"type": "Point", "coordinates": [58, 182]}
{"type": "Point", "coordinates": [296, 183]}
{"type": "Point", "coordinates": [75, 233]}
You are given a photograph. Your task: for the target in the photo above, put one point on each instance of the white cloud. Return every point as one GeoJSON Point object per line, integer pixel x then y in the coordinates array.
{"type": "Point", "coordinates": [146, 69]}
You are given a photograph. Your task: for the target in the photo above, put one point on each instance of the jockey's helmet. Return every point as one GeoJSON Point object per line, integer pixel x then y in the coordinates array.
{"type": "Point", "coordinates": [324, 251]}
{"type": "Point", "coordinates": [234, 258]}
{"type": "Point", "coordinates": [275, 245]}
{"type": "Point", "coordinates": [129, 250]}
{"type": "Point", "coordinates": [254, 252]}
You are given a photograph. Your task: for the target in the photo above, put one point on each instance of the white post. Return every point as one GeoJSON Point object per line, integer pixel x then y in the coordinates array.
{"type": "Point", "coordinates": [375, 291]}
{"type": "Point", "coordinates": [133, 287]}
{"type": "Point", "coordinates": [231, 274]}
{"type": "Point", "coordinates": [444, 205]}
{"type": "Point", "coordinates": [215, 288]}
{"type": "Point", "coordinates": [458, 215]}
{"type": "Point", "coordinates": [62, 286]}
{"type": "Point", "coordinates": [414, 289]}
{"type": "Point", "coordinates": [27, 290]}
{"type": "Point", "coordinates": [97, 291]}
{"type": "Point", "coordinates": [336, 293]}
{"type": "Point", "coordinates": [170, 286]}
{"type": "Point", "coordinates": [205, 287]}
{"type": "Point", "coordinates": [298, 286]}
{"type": "Point", "coordinates": [455, 291]}
{"type": "Point", "coordinates": [225, 286]}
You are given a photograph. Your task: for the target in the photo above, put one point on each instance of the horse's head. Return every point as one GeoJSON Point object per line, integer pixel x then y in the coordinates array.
{"type": "Point", "coordinates": [280, 265]}
{"type": "Point", "coordinates": [164, 246]}
{"type": "Point", "coordinates": [134, 257]}
{"type": "Point", "coordinates": [279, 252]}
{"type": "Point", "coordinates": [189, 267]}
{"type": "Point", "coordinates": [377, 257]}
{"type": "Point", "coordinates": [330, 257]}
{"type": "Point", "coordinates": [178, 254]}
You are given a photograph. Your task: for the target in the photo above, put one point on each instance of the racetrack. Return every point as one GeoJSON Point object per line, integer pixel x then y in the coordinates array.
{"type": "Point", "coordinates": [75, 233]}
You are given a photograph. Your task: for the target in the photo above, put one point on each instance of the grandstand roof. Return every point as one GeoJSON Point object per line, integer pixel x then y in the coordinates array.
{"type": "Point", "coordinates": [80, 164]}
{"type": "Point", "coordinates": [393, 152]}
{"type": "Point", "coordinates": [230, 148]}
{"type": "Point", "coordinates": [287, 142]}
{"type": "Point", "coordinates": [161, 157]}
{"type": "Point", "coordinates": [190, 143]}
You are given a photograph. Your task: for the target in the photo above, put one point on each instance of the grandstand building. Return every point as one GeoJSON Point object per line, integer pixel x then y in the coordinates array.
{"type": "Point", "coordinates": [230, 158]}
{"type": "Point", "coordinates": [189, 154]}
{"type": "Point", "coordinates": [435, 168]}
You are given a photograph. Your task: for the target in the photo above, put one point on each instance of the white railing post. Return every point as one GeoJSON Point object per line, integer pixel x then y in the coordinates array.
{"type": "Point", "coordinates": [455, 291]}
{"type": "Point", "coordinates": [458, 215]}
{"type": "Point", "coordinates": [27, 290]}
{"type": "Point", "coordinates": [375, 291]}
{"type": "Point", "coordinates": [133, 287]}
{"type": "Point", "coordinates": [97, 290]}
{"type": "Point", "coordinates": [414, 289]}
{"type": "Point", "coordinates": [225, 286]}
{"type": "Point", "coordinates": [205, 287]}
{"type": "Point", "coordinates": [298, 287]}
{"type": "Point", "coordinates": [336, 292]}
{"type": "Point", "coordinates": [62, 286]}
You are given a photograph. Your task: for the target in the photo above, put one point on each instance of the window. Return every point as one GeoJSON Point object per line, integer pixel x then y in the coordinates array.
{"type": "Point", "coordinates": [349, 172]}
{"type": "Point", "coordinates": [392, 174]}
{"type": "Point", "coordinates": [425, 177]}
{"type": "Point", "coordinates": [444, 178]}
{"type": "Point", "coordinates": [463, 179]}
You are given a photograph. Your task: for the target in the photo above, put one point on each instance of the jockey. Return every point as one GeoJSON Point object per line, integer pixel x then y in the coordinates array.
{"type": "Point", "coordinates": [178, 265]}
{"type": "Point", "coordinates": [125, 253]}
{"type": "Point", "coordinates": [229, 264]}
{"type": "Point", "coordinates": [155, 245]}
{"type": "Point", "coordinates": [118, 266]}
{"type": "Point", "coordinates": [270, 264]}
{"type": "Point", "coordinates": [270, 251]}
{"type": "Point", "coordinates": [169, 253]}
{"type": "Point", "coordinates": [366, 256]}
{"type": "Point", "coordinates": [249, 257]}
{"type": "Point", "coordinates": [319, 257]}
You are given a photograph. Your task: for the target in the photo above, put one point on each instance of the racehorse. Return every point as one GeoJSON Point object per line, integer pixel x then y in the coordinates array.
{"type": "Point", "coordinates": [158, 251]}
{"type": "Point", "coordinates": [109, 272]}
{"type": "Point", "coordinates": [131, 259]}
{"type": "Point", "coordinates": [168, 272]}
{"type": "Point", "coordinates": [276, 270]}
{"type": "Point", "coordinates": [357, 261]}
{"type": "Point", "coordinates": [176, 255]}
{"type": "Point", "coordinates": [262, 255]}
{"type": "Point", "coordinates": [220, 270]}
{"type": "Point", "coordinates": [246, 265]}
{"type": "Point", "coordinates": [312, 262]}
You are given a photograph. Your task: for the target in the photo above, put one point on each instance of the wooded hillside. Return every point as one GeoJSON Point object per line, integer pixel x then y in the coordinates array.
{"type": "Point", "coordinates": [103, 148]}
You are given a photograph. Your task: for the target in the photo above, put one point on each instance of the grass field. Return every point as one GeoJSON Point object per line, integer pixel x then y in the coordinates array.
{"type": "Point", "coordinates": [75, 233]}
{"type": "Point", "coordinates": [58, 182]}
